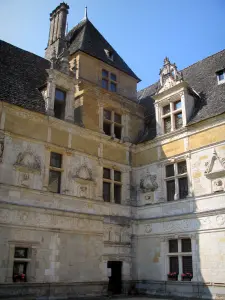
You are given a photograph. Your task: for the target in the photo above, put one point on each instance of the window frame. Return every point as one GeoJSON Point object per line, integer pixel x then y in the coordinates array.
{"type": "Point", "coordinates": [218, 76]}
{"type": "Point", "coordinates": [180, 254]}
{"type": "Point", "coordinates": [109, 80]}
{"type": "Point", "coordinates": [56, 169]}
{"type": "Point", "coordinates": [176, 176]}
{"type": "Point", "coordinates": [112, 183]}
{"type": "Point", "coordinates": [172, 115]}
{"type": "Point", "coordinates": [113, 124]}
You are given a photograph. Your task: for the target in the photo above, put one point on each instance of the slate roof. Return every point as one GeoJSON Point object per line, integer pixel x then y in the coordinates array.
{"type": "Point", "coordinates": [201, 77]}
{"type": "Point", "coordinates": [85, 37]}
{"type": "Point", "coordinates": [21, 75]}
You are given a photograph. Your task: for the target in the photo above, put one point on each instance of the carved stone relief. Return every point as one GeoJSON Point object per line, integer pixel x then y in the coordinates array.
{"type": "Point", "coordinates": [215, 167]}
{"type": "Point", "coordinates": [148, 183]}
{"type": "Point", "coordinates": [116, 234]}
{"type": "Point", "coordinates": [27, 162]}
{"type": "Point", "coordinates": [84, 172]}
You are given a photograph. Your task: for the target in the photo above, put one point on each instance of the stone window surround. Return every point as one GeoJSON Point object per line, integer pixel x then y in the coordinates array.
{"type": "Point", "coordinates": [112, 182]}
{"type": "Point", "coordinates": [124, 122]}
{"type": "Point", "coordinates": [164, 242]}
{"type": "Point", "coordinates": [58, 81]}
{"type": "Point", "coordinates": [176, 160]}
{"type": "Point", "coordinates": [159, 104]}
{"type": "Point", "coordinates": [31, 272]}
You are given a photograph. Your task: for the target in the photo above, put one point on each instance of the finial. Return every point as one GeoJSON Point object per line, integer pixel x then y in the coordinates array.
{"type": "Point", "coordinates": [85, 13]}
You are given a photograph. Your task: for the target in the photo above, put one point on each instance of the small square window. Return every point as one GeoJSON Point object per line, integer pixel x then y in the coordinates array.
{"type": "Point", "coordinates": [107, 114]}
{"type": "Point", "coordinates": [221, 75]}
{"type": "Point", "coordinates": [106, 173]}
{"type": "Point", "coordinates": [112, 86]}
{"type": "Point", "coordinates": [173, 246]}
{"type": "Point", "coordinates": [117, 118]}
{"type": "Point", "coordinates": [177, 105]}
{"type": "Point", "coordinates": [60, 95]}
{"type": "Point", "coordinates": [182, 167]}
{"type": "Point", "coordinates": [169, 170]}
{"type": "Point", "coordinates": [105, 73]}
{"type": "Point", "coordinates": [113, 77]}
{"type": "Point", "coordinates": [166, 109]}
{"type": "Point", "coordinates": [186, 245]}
{"type": "Point", "coordinates": [117, 175]}
{"type": "Point", "coordinates": [105, 84]}
{"type": "Point", "coordinates": [56, 160]}
{"type": "Point", "coordinates": [21, 252]}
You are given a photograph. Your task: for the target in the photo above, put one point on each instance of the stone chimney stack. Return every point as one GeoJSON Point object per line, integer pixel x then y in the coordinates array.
{"type": "Point", "coordinates": [57, 30]}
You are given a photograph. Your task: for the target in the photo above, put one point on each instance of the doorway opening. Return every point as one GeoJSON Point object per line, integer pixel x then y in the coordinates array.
{"type": "Point", "coordinates": [115, 280]}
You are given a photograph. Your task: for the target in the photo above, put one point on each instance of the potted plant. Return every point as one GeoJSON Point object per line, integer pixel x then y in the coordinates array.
{"type": "Point", "coordinates": [172, 276]}
{"type": "Point", "coordinates": [19, 277]}
{"type": "Point", "coordinates": [186, 276]}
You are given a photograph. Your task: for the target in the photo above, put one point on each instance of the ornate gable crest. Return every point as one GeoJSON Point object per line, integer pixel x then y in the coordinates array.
{"type": "Point", "coordinates": [169, 76]}
{"type": "Point", "coordinates": [215, 168]}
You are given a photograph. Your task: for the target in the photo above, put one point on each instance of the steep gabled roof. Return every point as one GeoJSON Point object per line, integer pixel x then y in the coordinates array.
{"type": "Point", "coordinates": [22, 74]}
{"type": "Point", "coordinates": [85, 37]}
{"type": "Point", "coordinates": [202, 77]}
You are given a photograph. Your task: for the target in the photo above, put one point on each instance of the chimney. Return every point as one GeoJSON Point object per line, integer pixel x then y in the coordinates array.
{"type": "Point", "coordinates": [57, 30]}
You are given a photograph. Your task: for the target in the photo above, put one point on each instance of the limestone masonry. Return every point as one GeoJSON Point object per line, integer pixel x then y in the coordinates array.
{"type": "Point", "coordinates": [102, 184]}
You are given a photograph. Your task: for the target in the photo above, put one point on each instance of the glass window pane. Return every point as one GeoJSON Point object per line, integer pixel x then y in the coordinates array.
{"type": "Point", "coordinates": [106, 191]}
{"type": "Point", "coordinates": [60, 95]}
{"type": "Point", "coordinates": [117, 193]}
{"type": "Point", "coordinates": [174, 264]}
{"type": "Point", "coordinates": [107, 128]}
{"type": "Point", "coordinates": [56, 160]}
{"type": "Point", "coordinates": [117, 131]}
{"type": "Point", "coordinates": [169, 170]}
{"type": "Point", "coordinates": [182, 167]}
{"type": "Point", "coordinates": [117, 175]}
{"type": "Point", "coordinates": [167, 124]}
{"type": "Point", "coordinates": [117, 118]}
{"type": "Point", "coordinates": [19, 271]}
{"type": "Point", "coordinates": [173, 246]}
{"type": "Point", "coordinates": [54, 181]}
{"type": "Point", "coordinates": [170, 190]}
{"type": "Point", "coordinates": [186, 245]}
{"type": "Point", "coordinates": [106, 173]}
{"type": "Point", "coordinates": [107, 114]}
{"type": "Point", "coordinates": [59, 109]}
{"type": "Point", "coordinates": [221, 75]}
{"type": "Point", "coordinates": [21, 252]}
{"type": "Point", "coordinates": [178, 120]}
{"type": "Point", "coordinates": [113, 77]}
{"type": "Point", "coordinates": [112, 87]}
{"type": "Point", "coordinates": [183, 187]}
{"type": "Point", "coordinates": [177, 105]}
{"type": "Point", "coordinates": [105, 84]}
{"type": "Point", "coordinates": [187, 264]}
{"type": "Point", "coordinates": [105, 73]}
{"type": "Point", "coordinates": [166, 109]}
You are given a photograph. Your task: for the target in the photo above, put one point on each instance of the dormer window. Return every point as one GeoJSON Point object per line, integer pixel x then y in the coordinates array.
{"type": "Point", "coordinates": [221, 76]}
{"type": "Point", "coordinates": [59, 104]}
{"type": "Point", "coordinates": [109, 81]}
{"type": "Point", "coordinates": [109, 54]}
{"type": "Point", "coordinates": [172, 116]}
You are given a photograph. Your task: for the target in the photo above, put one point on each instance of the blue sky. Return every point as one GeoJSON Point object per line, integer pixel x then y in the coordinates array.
{"type": "Point", "coordinates": [143, 32]}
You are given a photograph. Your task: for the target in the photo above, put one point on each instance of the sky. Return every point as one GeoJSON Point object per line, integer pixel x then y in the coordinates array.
{"type": "Point", "coordinates": [143, 32]}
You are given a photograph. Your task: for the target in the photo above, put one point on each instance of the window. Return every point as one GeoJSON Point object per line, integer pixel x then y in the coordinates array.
{"type": "Point", "coordinates": [176, 181]}
{"type": "Point", "coordinates": [112, 124]}
{"type": "Point", "coordinates": [112, 185]}
{"type": "Point", "coordinates": [55, 172]}
{"type": "Point", "coordinates": [109, 81]}
{"type": "Point", "coordinates": [20, 264]}
{"type": "Point", "coordinates": [180, 259]}
{"type": "Point", "coordinates": [172, 116]}
{"type": "Point", "coordinates": [221, 76]}
{"type": "Point", "coordinates": [60, 104]}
